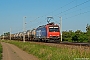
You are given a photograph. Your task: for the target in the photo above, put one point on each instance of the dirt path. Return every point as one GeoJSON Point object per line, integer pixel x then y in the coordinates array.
{"type": "Point", "coordinates": [11, 52]}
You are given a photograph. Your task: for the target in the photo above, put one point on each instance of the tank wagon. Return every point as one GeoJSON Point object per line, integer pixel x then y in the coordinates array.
{"type": "Point", "coordinates": [28, 35]}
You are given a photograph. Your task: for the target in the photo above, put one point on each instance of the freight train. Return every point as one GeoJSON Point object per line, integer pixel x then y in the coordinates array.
{"type": "Point", "coordinates": [48, 32]}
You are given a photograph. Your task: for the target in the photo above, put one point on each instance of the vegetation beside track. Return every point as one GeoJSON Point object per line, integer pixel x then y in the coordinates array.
{"type": "Point", "coordinates": [53, 53]}
{"type": "Point", "coordinates": [77, 36]}
{"type": "Point", "coordinates": [0, 51]}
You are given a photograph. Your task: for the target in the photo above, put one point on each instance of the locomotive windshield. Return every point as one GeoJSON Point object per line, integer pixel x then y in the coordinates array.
{"type": "Point", "coordinates": [53, 29]}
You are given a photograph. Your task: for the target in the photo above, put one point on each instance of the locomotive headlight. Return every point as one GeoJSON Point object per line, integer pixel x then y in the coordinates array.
{"type": "Point", "coordinates": [50, 35]}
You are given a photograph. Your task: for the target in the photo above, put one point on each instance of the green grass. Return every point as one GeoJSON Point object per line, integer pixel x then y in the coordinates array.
{"type": "Point", "coordinates": [0, 51]}
{"type": "Point", "coordinates": [53, 53]}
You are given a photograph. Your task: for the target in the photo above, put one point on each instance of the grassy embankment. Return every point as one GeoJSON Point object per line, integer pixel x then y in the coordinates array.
{"type": "Point", "coordinates": [53, 53]}
{"type": "Point", "coordinates": [0, 51]}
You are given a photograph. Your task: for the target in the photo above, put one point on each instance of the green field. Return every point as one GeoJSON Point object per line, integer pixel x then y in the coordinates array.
{"type": "Point", "coordinates": [44, 52]}
{"type": "Point", "coordinates": [0, 51]}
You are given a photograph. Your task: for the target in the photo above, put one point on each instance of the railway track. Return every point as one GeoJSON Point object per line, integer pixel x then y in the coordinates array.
{"type": "Point", "coordinates": [64, 43]}
{"type": "Point", "coordinates": [77, 44]}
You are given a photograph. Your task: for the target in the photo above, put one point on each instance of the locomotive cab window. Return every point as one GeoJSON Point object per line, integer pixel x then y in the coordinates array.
{"type": "Point", "coordinates": [53, 29]}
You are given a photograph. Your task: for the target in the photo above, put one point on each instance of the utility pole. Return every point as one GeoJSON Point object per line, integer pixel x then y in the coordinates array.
{"type": "Point", "coordinates": [24, 29]}
{"type": "Point", "coordinates": [61, 27]}
{"type": "Point", "coordinates": [10, 33]}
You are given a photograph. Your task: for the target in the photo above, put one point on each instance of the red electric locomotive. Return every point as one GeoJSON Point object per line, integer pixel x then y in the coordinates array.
{"type": "Point", "coordinates": [53, 31]}
{"type": "Point", "coordinates": [48, 32]}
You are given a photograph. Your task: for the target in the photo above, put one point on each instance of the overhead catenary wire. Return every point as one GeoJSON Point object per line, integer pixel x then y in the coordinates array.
{"type": "Point", "coordinates": [73, 7]}
{"type": "Point", "coordinates": [59, 8]}
{"type": "Point", "coordinates": [77, 14]}
{"type": "Point", "coordinates": [62, 12]}
{"type": "Point", "coordinates": [76, 10]}
{"type": "Point", "coordinates": [77, 5]}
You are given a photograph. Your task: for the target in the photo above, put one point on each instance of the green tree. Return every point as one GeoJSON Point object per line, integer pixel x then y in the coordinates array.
{"type": "Point", "coordinates": [67, 35]}
{"type": "Point", "coordinates": [7, 33]}
{"type": "Point", "coordinates": [88, 32]}
{"type": "Point", "coordinates": [75, 38]}
{"type": "Point", "coordinates": [78, 34]}
{"type": "Point", "coordinates": [88, 28]}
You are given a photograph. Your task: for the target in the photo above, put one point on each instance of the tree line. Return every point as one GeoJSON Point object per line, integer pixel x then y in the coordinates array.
{"type": "Point", "coordinates": [6, 34]}
{"type": "Point", "coordinates": [77, 36]}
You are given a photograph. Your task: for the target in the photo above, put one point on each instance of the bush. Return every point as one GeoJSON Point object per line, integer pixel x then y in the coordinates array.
{"type": "Point", "coordinates": [0, 51]}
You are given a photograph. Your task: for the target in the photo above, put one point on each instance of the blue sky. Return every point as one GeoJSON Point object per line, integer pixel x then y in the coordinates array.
{"type": "Point", "coordinates": [75, 14]}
